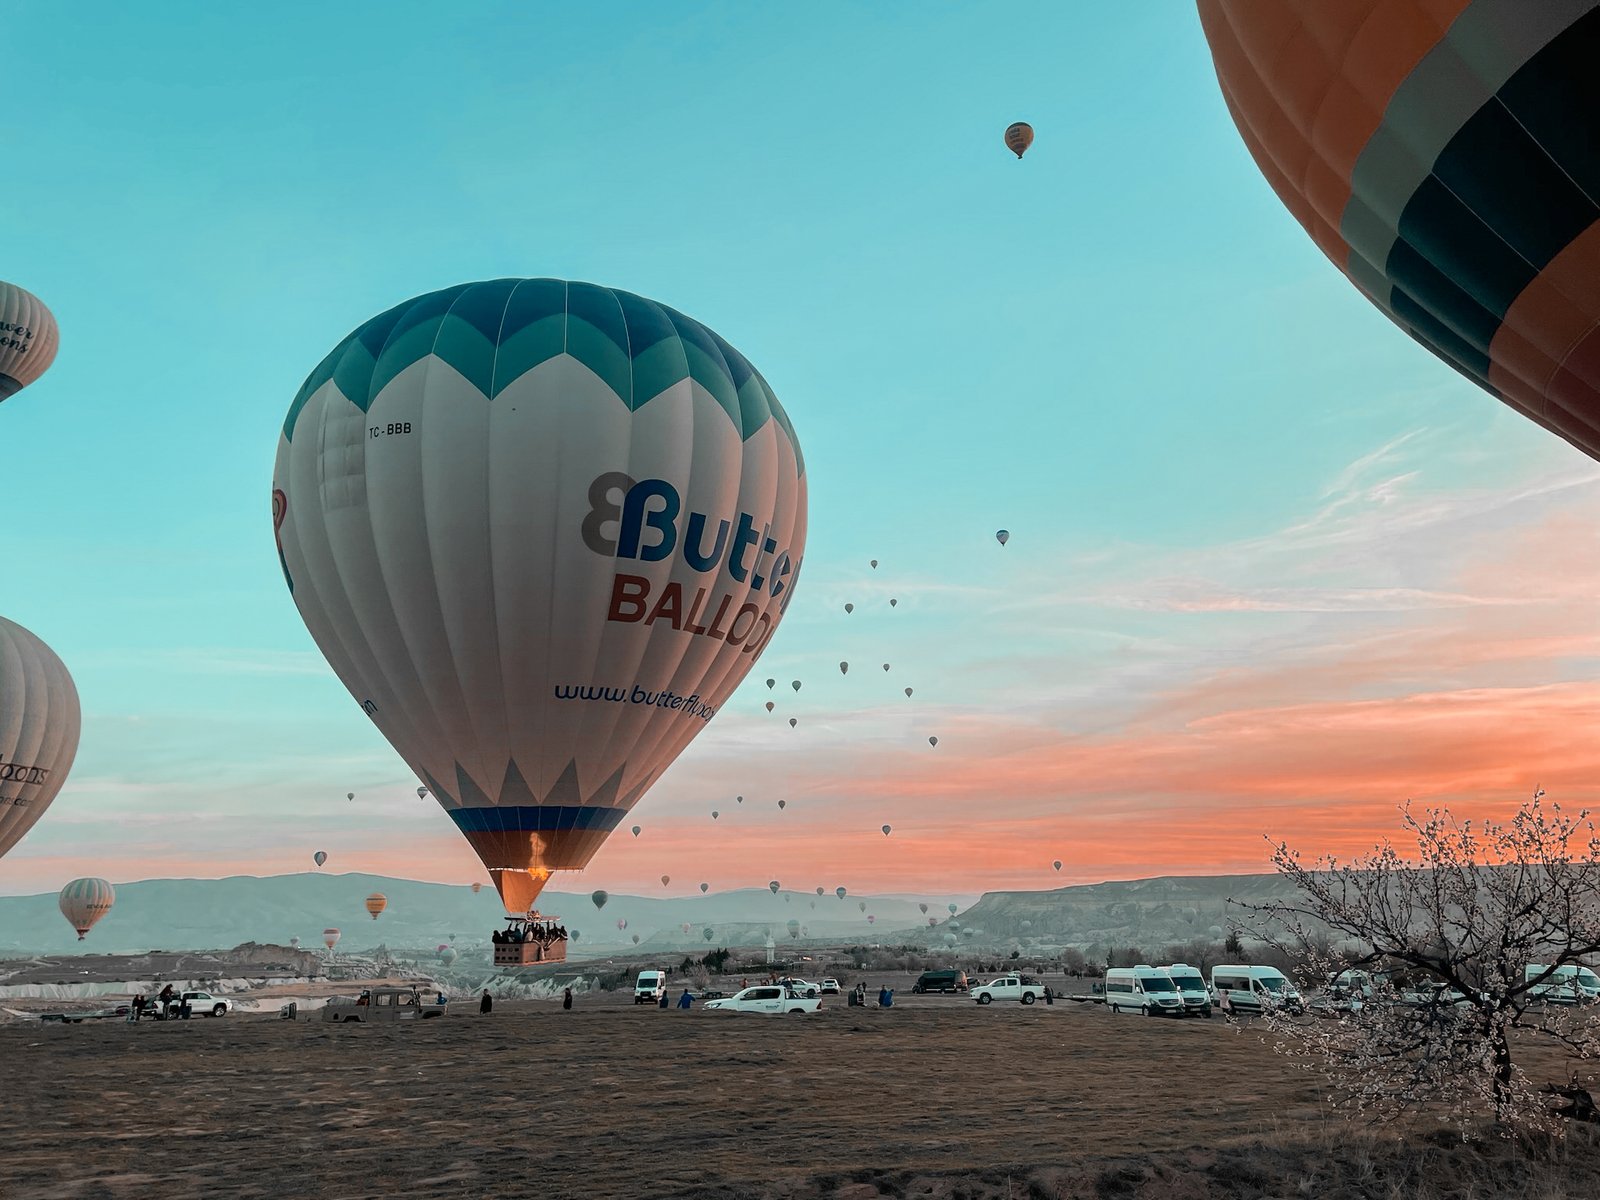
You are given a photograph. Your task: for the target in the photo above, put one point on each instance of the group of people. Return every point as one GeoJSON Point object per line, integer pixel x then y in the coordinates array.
{"type": "Point", "coordinates": [858, 997]}
{"type": "Point", "coordinates": [163, 1006]}
{"type": "Point", "coordinates": [544, 933]}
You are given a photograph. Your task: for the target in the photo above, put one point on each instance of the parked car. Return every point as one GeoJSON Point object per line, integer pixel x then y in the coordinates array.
{"type": "Point", "coordinates": [649, 987]}
{"type": "Point", "coordinates": [201, 1004]}
{"type": "Point", "coordinates": [940, 981]}
{"type": "Point", "coordinates": [1254, 989]}
{"type": "Point", "coordinates": [1143, 989]}
{"type": "Point", "coordinates": [800, 987]}
{"type": "Point", "coordinates": [1566, 984]}
{"type": "Point", "coordinates": [380, 1004]}
{"type": "Point", "coordinates": [1192, 987]}
{"type": "Point", "coordinates": [766, 998]}
{"type": "Point", "coordinates": [1007, 987]}
{"type": "Point", "coordinates": [830, 987]}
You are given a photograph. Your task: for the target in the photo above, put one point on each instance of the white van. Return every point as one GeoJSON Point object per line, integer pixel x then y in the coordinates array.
{"type": "Point", "coordinates": [1253, 989]}
{"type": "Point", "coordinates": [1192, 987]}
{"type": "Point", "coordinates": [1143, 989]}
{"type": "Point", "coordinates": [1567, 984]}
{"type": "Point", "coordinates": [649, 987]}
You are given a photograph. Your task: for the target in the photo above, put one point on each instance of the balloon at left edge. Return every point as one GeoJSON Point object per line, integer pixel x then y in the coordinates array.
{"type": "Point", "coordinates": [541, 531]}
{"type": "Point", "coordinates": [85, 901]}
{"type": "Point", "coordinates": [39, 726]}
{"type": "Point", "coordinates": [28, 339]}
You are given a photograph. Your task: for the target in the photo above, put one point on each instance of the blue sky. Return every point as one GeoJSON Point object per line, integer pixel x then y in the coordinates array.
{"type": "Point", "coordinates": [1121, 348]}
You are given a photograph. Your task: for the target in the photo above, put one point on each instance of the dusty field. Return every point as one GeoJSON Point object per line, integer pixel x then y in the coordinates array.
{"type": "Point", "coordinates": [935, 1097]}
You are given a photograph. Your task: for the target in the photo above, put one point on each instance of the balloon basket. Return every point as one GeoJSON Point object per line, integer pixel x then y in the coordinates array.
{"type": "Point", "coordinates": [530, 941]}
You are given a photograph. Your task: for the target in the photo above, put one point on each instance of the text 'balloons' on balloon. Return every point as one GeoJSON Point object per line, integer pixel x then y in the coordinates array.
{"type": "Point", "coordinates": [1416, 199]}
{"type": "Point", "coordinates": [29, 339]}
{"type": "Point", "coordinates": [39, 726]}
{"type": "Point", "coordinates": [320, 857]}
{"type": "Point", "coordinates": [549, 418]}
{"type": "Point", "coordinates": [599, 898]}
{"type": "Point", "coordinates": [1002, 536]}
{"type": "Point", "coordinates": [375, 904]}
{"type": "Point", "coordinates": [84, 901]}
{"type": "Point", "coordinates": [1019, 136]}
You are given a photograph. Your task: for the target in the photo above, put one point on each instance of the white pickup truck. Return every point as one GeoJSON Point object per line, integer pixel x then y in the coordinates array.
{"type": "Point", "coordinates": [766, 998]}
{"type": "Point", "coordinates": [1007, 987]}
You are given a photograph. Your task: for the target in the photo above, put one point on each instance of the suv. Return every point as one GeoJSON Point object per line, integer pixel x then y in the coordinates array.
{"type": "Point", "coordinates": [201, 1004]}
{"type": "Point", "coordinates": [941, 981]}
{"type": "Point", "coordinates": [830, 986]}
{"type": "Point", "coordinates": [800, 987]}
{"type": "Point", "coordinates": [649, 987]}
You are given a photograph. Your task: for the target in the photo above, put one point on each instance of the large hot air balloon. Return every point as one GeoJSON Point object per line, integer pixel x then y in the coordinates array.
{"type": "Point", "coordinates": [330, 938]}
{"type": "Point", "coordinates": [28, 339]}
{"type": "Point", "coordinates": [1442, 155]}
{"type": "Point", "coordinates": [85, 901]}
{"type": "Point", "coordinates": [320, 857]}
{"type": "Point", "coordinates": [39, 724]}
{"type": "Point", "coordinates": [1019, 136]}
{"type": "Point", "coordinates": [376, 903]}
{"type": "Point", "coordinates": [540, 530]}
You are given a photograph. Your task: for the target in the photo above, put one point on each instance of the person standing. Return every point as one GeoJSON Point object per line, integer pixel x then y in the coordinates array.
{"type": "Point", "coordinates": [486, 1004]}
{"type": "Point", "coordinates": [685, 1000]}
{"type": "Point", "coordinates": [566, 999]}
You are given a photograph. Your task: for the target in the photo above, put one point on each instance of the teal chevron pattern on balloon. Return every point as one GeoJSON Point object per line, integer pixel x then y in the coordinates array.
{"type": "Point", "coordinates": [496, 331]}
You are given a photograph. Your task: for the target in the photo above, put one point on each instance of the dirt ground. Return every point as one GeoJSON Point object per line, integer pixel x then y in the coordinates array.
{"type": "Point", "coordinates": [934, 1097]}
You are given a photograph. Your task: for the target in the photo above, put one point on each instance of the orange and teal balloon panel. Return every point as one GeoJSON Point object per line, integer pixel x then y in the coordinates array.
{"type": "Point", "coordinates": [1442, 154]}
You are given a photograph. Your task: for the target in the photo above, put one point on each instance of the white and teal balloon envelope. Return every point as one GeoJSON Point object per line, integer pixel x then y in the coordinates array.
{"type": "Point", "coordinates": [541, 530]}
{"type": "Point", "coordinates": [28, 338]}
{"type": "Point", "coordinates": [39, 725]}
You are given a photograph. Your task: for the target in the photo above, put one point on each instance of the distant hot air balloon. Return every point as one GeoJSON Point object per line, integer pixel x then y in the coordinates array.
{"type": "Point", "coordinates": [636, 939]}
{"type": "Point", "coordinates": [893, 601]}
{"type": "Point", "coordinates": [783, 804]}
{"type": "Point", "coordinates": [923, 907]}
{"type": "Point", "coordinates": [28, 339]}
{"type": "Point", "coordinates": [704, 887]}
{"type": "Point", "coordinates": [862, 905]}
{"type": "Point", "coordinates": [376, 903]}
{"type": "Point", "coordinates": [320, 857]}
{"type": "Point", "coordinates": [738, 799]}
{"type": "Point", "coordinates": [294, 943]}
{"type": "Point", "coordinates": [771, 683]}
{"type": "Point", "coordinates": [622, 922]}
{"type": "Point", "coordinates": [933, 741]}
{"type": "Point", "coordinates": [952, 910]}
{"type": "Point", "coordinates": [844, 668]}
{"type": "Point", "coordinates": [886, 831]}
{"type": "Point", "coordinates": [1057, 864]}
{"type": "Point", "coordinates": [715, 814]}
{"type": "Point", "coordinates": [686, 927]}
{"type": "Point", "coordinates": [1002, 536]}
{"type": "Point", "coordinates": [599, 898]}
{"type": "Point", "coordinates": [770, 706]}
{"type": "Point", "coordinates": [441, 948]}
{"type": "Point", "coordinates": [476, 888]}
{"type": "Point", "coordinates": [840, 892]}
{"type": "Point", "coordinates": [932, 921]}
{"type": "Point", "coordinates": [1019, 136]}
{"type": "Point", "coordinates": [793, 722]}
{"type": "Point", "coordinates": [1026, 925]}
{"type": "Point", "coordinates": [573, 935]}
{"type": "Point", "coordinates": [874, 564]}
{"type": "Point", "coordinates": [819, 891]}
{"type": "Point", "coordinates": [773, 887]}
{"type": "Point", "coordinates": [908, 693]}
{"type": "Point", "coordinates": [885, 666]}
{"type": "Point", "coordinates": [449, 956]}
{"type": "Point", "coordinates": [871, 919]}
{"type": "Point", "coordinates": [795, 685]}
{"type": "Point", "coordinates": [1441, 157]}
{"type": "Point", "coordinates": [636, 829]}
{"type": "Point", "coordinates": [794, 928]}
{"type": "Point", "coordinates": [39, 721]}
{"type": "Point", "coordinates": [514, 446]}
{"type": "Point", "coordinates": [85, 901]}
{"type": "Point", "coordinates": [708, 933]}
{"type": "Point", "coordinates": [849, 608]}
{"type": "Point", "coordinates": [666, 879]}
{"type": "Point", "coordinates": [349, 795]}
{"type": "Point", "coordinates": [330, 938]}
